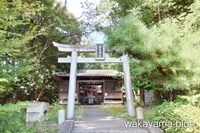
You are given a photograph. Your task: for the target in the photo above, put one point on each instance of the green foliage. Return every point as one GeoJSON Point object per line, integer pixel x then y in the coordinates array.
{"type": "Point", "coordinates": [193, 100]}
{"type": "Point", "coordinates": [27, 57]}
{"type": "Point", "coordinates": [3, 84]}
{"type": "Point", "coordinates": [12, 119]}
{"type": "Point", "coordinates": [30, 86]}
{"type": "Point", "coordinates": [168, 112]}
{"type": "Point", "coordinates": [174, 55]}
{"type": "Point", "coordinates": [177, 112]}
{"type": "Point", "coordinates": [152, 11]}
{"type": "Point", "coordinates": [150, 113]}
{"type": "Point", "coordinates": [192, 20]}
{"type": "Point", "coordinates": [166, 50]}
{"type": "Point", "coordinates": [122, 7]}
{"type": "Point", "coordinates": [15, 33]}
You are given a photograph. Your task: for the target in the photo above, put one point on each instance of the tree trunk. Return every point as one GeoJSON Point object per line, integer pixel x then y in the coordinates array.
{"type": "Point", "coordinates": [157, 94]}
{"type": "Point", "coordinates": [142, 98]}
{"type": "Point", "coordinates": [39, 95]}
{"type": "Point", "coordinates": [15, 96]}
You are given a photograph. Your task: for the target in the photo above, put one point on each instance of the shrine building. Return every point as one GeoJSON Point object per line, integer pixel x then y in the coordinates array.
{"type": "Point", "coordinates": [92, 86]}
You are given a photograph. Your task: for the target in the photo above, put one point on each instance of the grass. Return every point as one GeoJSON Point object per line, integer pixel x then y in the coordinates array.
{"type": "Point", "coordinates": [53, 112]}
{"type": "Point", "coordinates": [149, 113]}
{"type": "Point", "coordinates": [53, 117]}
{"type": "Point", "coordinates": [12, 119]}
{"type": "Point", "coordinates": [120, 111]}
{"type": "Point", "coordinates": [45, 128]}
{"type": "Point", "coordinates": [79, 110]}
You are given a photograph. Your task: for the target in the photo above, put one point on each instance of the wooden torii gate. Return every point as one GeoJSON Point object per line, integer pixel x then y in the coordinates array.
{"type": "Point", "coordinates": [100, 58]}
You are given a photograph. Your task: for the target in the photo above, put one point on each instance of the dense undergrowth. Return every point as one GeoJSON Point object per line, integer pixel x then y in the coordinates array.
{"type": "Point", "coordinates": [178, 117]}
{"type": "Point", "coordinates": [13, 119]}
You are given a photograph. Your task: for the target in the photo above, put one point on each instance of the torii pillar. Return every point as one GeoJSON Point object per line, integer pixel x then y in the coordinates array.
{"type": "Point", "coordinates": [128, 86]}
{"type": "Point", "coordinates": [72, 85]}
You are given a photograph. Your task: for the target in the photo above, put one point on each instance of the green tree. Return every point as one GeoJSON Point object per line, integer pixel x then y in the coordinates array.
{"type": "Point", "coordinates": [152, 11]}
{"type": "Point", "coordinates": [14, 34]}
{"type": "Point", "coordinates": [28, 58]}
{"type": "Point", "coordinates": [163, 57]}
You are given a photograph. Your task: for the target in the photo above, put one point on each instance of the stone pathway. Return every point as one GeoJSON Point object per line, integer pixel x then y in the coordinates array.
{"type": "Point", "coordinates": [95, 120]}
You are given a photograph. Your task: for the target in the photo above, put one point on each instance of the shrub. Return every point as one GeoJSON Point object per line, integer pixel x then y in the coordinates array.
{"type": "Point", "coordinates": [12, 119]}
{"type": "Point", "coordinates": [193, 100]}
{"type": "Point", "coordinates": [178, 114]}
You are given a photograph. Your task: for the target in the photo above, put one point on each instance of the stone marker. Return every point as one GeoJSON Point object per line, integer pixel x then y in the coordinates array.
{"type": "Point", "coordinates": [140, 115]}
{"type": "Point", "coordinates": [37, 111]}
{"type": "Point", "coordinates": [61, 116]}
{"type": "Point", "coordinates": [148, 96]}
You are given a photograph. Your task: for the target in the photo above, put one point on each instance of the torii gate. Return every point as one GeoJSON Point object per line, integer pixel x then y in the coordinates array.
{"type": "Point", "coordinates": [100, 50]}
